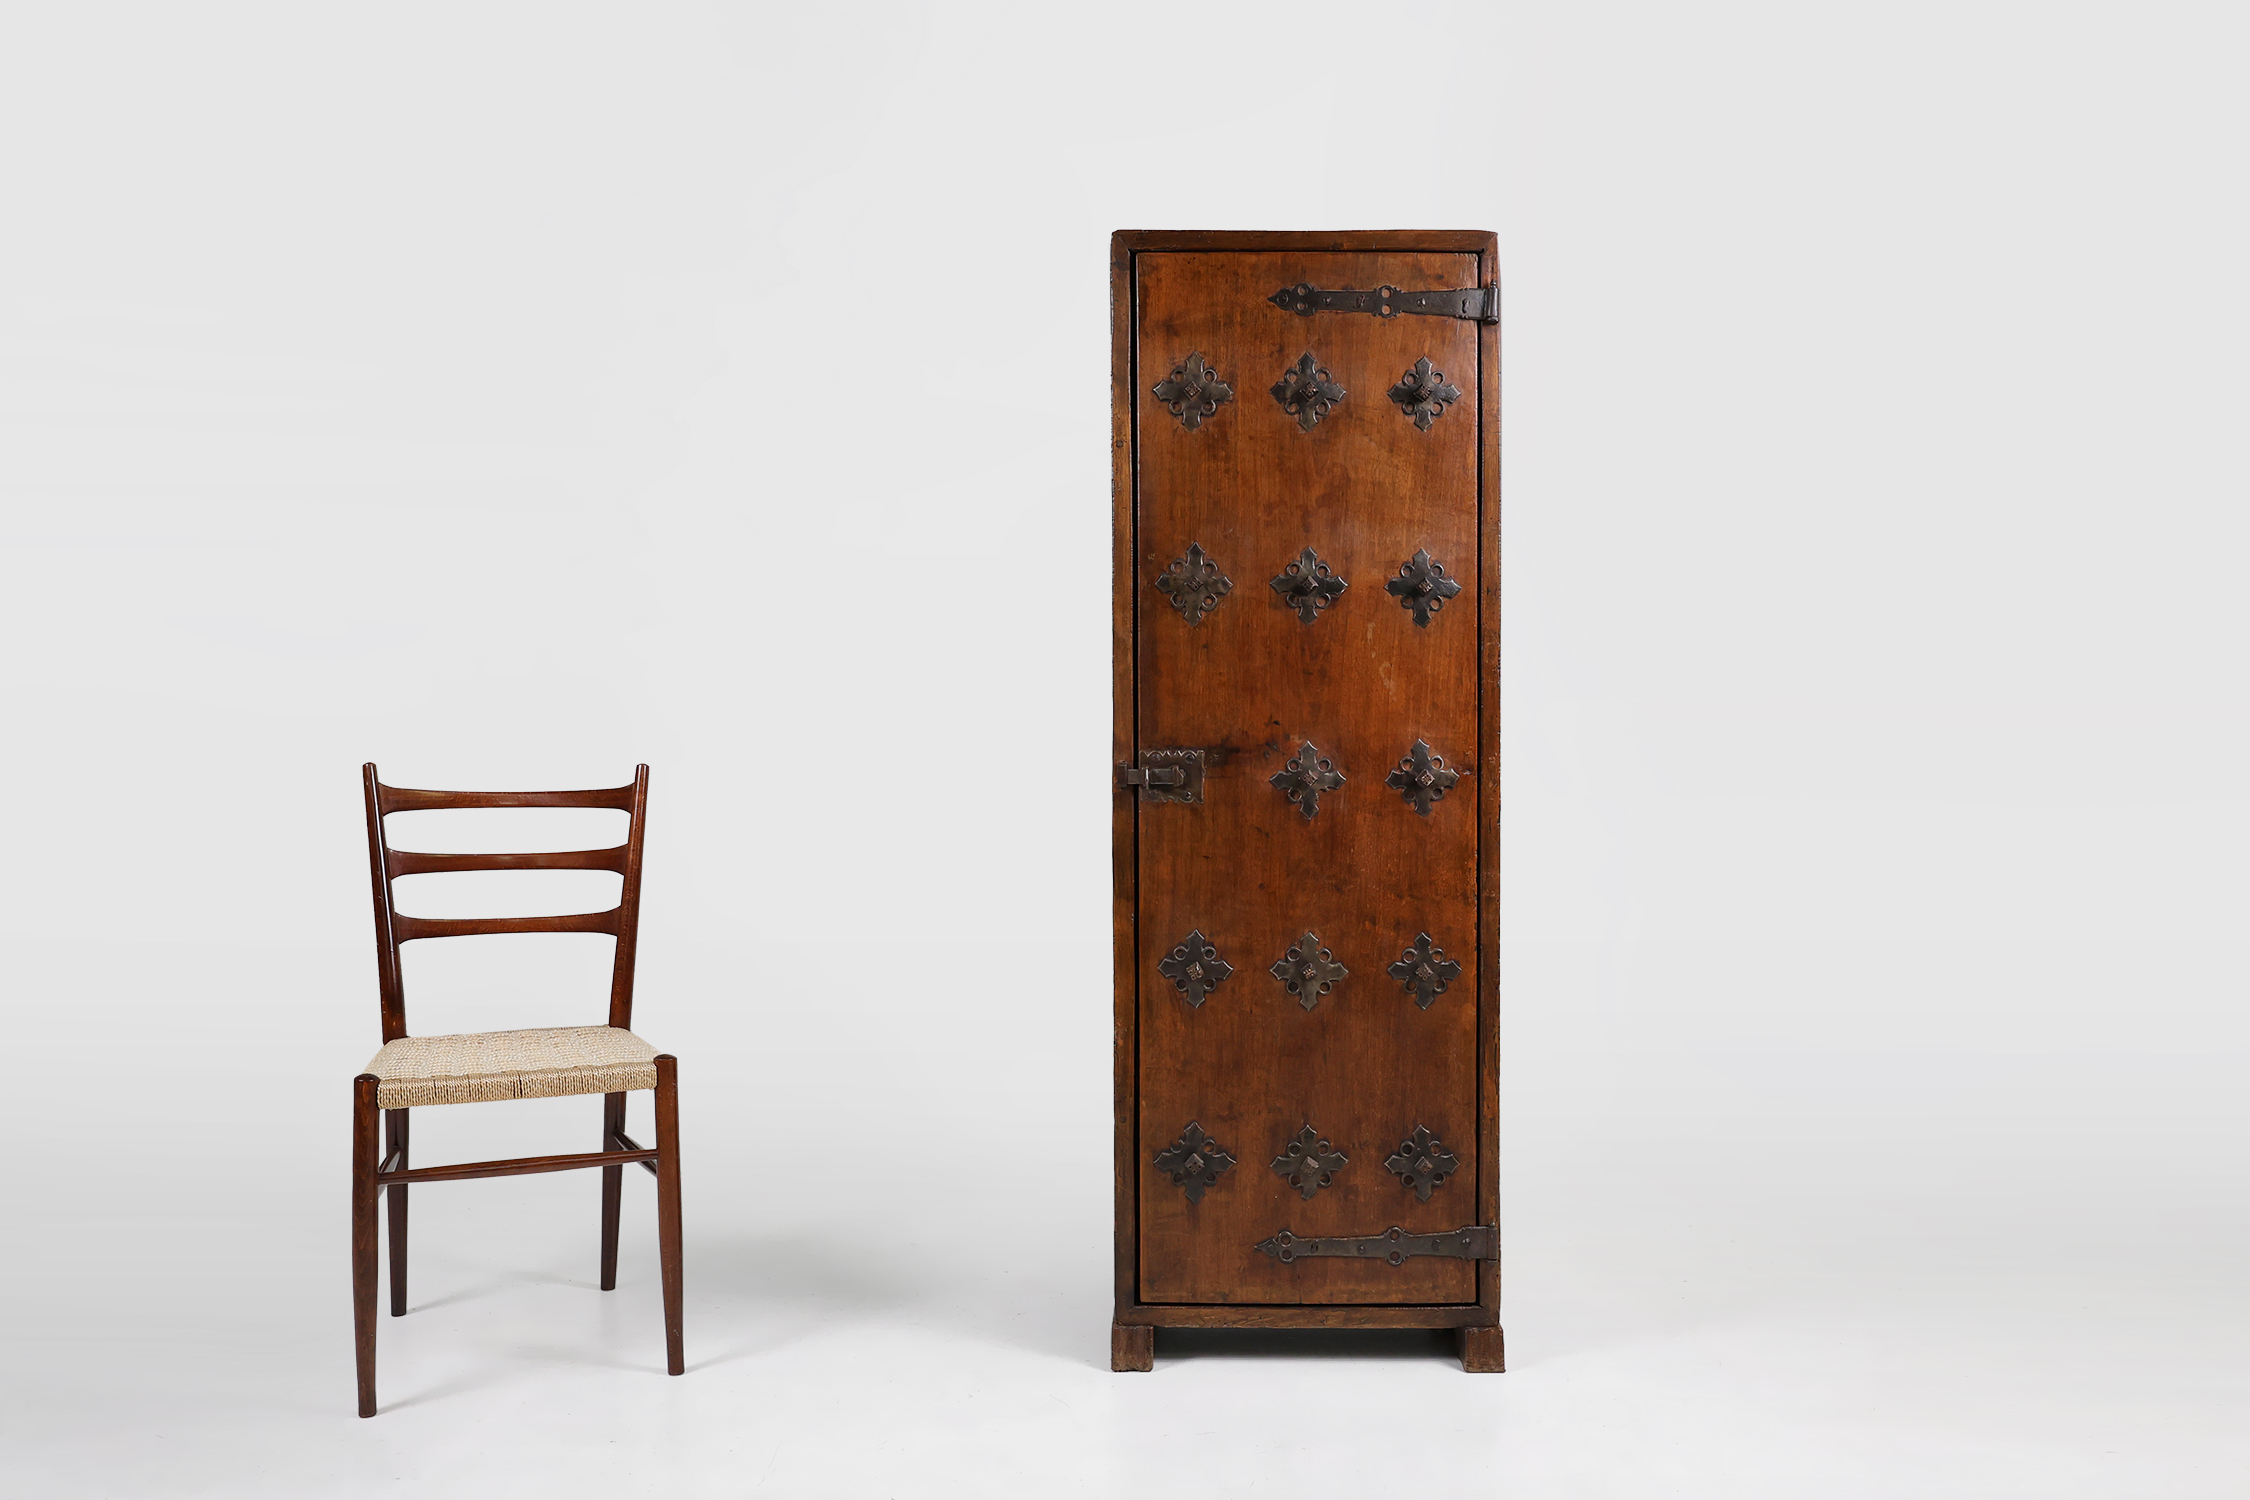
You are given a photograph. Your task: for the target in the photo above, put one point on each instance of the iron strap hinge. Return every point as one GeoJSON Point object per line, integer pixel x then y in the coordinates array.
{"type": "Point", "coordinates": [1171, 775]}
{"type": "Point", "coordinates": [1477, 304]}
{"type": "Point", "coordinates": [1395, 1245]}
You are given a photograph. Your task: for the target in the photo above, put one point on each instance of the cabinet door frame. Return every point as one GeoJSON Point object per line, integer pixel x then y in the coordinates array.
{"type": "Point", "coordinates": [1125, 382]}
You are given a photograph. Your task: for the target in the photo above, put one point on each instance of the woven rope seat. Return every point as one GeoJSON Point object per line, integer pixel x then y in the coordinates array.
{"type": "Point", "coordinates": [482, 1066]}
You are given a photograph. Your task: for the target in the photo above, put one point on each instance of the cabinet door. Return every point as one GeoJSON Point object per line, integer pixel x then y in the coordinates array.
{"type": "Point", "coordinates": [1306, 595]}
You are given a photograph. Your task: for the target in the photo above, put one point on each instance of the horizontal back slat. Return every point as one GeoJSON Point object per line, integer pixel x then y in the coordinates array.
{"type": "Point", "coordinates": [410, 928]}
{"type": "Point", "coordinates": [407, 799]}
{"type": "Point", "coordinates": [407, 862]}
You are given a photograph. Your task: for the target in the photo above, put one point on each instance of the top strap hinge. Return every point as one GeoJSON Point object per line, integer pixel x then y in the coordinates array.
{"type": "Point", "coordinates": [1475, 304]}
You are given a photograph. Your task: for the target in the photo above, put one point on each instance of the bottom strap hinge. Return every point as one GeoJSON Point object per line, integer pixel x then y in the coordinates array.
{"type": "Point", "coordinates": [1395, 1245]}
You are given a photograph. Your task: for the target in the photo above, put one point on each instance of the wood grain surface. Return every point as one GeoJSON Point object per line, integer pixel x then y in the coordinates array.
{"type": "Point", "coordinates": [1251, 683]}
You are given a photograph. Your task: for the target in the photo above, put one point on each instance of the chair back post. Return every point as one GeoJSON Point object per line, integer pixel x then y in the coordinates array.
{"type": "Point", "coordinates": [386, 933]}
{"type": "Point", "coordinates": [629, 908]}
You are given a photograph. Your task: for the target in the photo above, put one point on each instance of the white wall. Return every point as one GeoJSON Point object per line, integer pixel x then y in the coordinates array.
{"type": "Point", "coordinates": [509, 394]}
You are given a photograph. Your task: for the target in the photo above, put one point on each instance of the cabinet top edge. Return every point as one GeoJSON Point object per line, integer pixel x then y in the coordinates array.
{"type": "Point", "coordinates": [1438, 241]}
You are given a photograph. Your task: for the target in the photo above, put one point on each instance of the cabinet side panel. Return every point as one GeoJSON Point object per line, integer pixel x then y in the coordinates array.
{"type": "Point", "coordinates": [1124, 858]}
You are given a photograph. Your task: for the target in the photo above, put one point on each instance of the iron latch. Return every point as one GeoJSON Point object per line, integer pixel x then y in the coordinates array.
{"type": "Point", "coordinates": [1477, 304]}
{"type": "Point", "coordinates": [1395, 1245]}
{"type": "Point", "coordinates": [1165, 776]}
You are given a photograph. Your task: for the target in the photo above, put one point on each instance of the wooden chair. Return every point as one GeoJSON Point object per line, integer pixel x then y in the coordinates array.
{"type": "Point", "coordinates": [410, 1071]}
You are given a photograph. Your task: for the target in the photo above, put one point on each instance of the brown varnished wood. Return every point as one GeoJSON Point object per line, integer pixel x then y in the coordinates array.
{"type": "Point", "coordinates": [395, 1159]}
{"type": "Point", "coordinates": [364, 1126]}
{"type": "Point", "coordinates": [390, 984]}
{"type": "Point", "coordinates": [1361, 241]}
{"type": "Point", "coordinates": [409, 799]}
{"type": "Point", "coordinates": [1124, 850]}
{"type": "Point", "coordinates": [392, 1174]}
{"type": "Point", "coordinates": [1483, 1350]}
{"type": "Point", "coordinates": [410, 862]}
{"type": "Point", "coordinates": [668, 1208]}
{"type": "Point", "coordinates": [516, 1166]}
{"type": "Point", "coordinates": [613, 1185]}
{"type": "Point", "coordinates": [1488, 793]}
{"type": "Point", "coordinates": [1132, 1346]}
{"type": "Point", "coordinates": [411, 929]}
{"type": "Point", "coordinates": [629, 906]}
{"type": "Point", "coordinates": [1249, 684]}
{"type": "Point", "coordinates": [1304, 1315]}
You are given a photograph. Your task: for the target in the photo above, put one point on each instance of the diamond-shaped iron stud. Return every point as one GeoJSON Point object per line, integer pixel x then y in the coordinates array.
{"type": "Point", "coordinates": [1308, 970]}
{"type": "Point", "coordinates": [1422, 778]}
{"type": "Point", "coordinates": [1194, 583]}
{"type": "Point", "coordinates": [1425, 971]}
{"type": "Point", "coordinates": [1193, 1162]}
{"type": "Point", "coordinates": [1193, 392]}
{"type": "Point", "coordinates": [1422, 586]}
{"type": "Point", "coordinates": [1423, 1163]}
{"type": "Point", "coordinates": [1422, 393]}
{"type": "Point", "coordinates": [1308, 585]}
{"type": "Point", "coordinates": [1305, 776]}
{"type": "Point", "coordinates": [1195, 968]}
{"type": "Point", "coordinates": [1309, 1162]}
{"type": "Point", "coordinates": [1307, 392]}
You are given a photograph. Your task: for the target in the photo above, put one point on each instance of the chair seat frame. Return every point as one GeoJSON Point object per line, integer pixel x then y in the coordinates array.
{"type": "Point", "coordinates": [381, 1173]}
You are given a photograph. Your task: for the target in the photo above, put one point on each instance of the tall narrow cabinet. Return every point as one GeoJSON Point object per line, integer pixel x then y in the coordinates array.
{"type": "Point", "coordinates": [1307, 769]}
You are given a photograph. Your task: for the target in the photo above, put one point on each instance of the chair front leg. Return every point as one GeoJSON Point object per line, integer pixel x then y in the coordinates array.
{"type": "Point", "coordinates": [668, 1205]}
{"type": "Point", "coordinates": [394, 1142]}
{"type": "Point", "coordinates": [363, 1235]}
{"type": "Point", "coordinates": [613, 1187]}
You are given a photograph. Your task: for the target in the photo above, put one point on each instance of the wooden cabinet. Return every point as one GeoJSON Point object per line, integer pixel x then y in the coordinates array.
{"type": "Point", "coordinates": [1307, 613]}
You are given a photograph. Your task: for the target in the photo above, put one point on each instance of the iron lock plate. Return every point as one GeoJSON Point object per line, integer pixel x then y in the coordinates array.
{"type": "Point", "coordinates": [1169, 775]}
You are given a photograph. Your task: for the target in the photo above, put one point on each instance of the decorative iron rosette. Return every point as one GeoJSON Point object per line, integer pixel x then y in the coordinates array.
{"type": "Point", "coordinates": [1308, 970]}
{"type": "Point", "coordinates": [1423, 1163]}
{"type": "Point", "coordinates": [1193, 1162]}
{"type": "Point", "coordinates": [1194, 967]}
{"type": "Point", "coordinates": [1309, 1163]}
{"type": "Point", "coordinates": [1422, 586]}
{"type": "Point", "coordinates": [1308, 585]}
{"type": "Point", "coordinates": [1307, 392]}
{"type": "Point", "coordinates": [1305, 776]}
{"type": "Point", "coordinates": [1422, 778]}
{"type": "Point", "coordinates": [1423, 394]}
{"type": "Point", "coordinates": [1194, 583]}
{"type": "Point", "coordinates": [1193, 392]}
{"type": "Point", "coordinates": [1424, 970]}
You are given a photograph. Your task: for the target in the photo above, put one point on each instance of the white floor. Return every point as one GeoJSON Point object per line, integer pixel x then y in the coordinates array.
{"type": "Point", "coordinates": [1857, 1277]}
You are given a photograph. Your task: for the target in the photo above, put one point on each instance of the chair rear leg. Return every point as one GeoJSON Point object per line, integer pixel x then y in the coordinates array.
{"type": "Point", "coordinates": [394, 1140]}
{"type": "Point", "coordinates": [613, 1187]}
{"type": "Point", "coordinates": [363, 1235]}
{"type": "Point", "coordinates": [668, 1205]}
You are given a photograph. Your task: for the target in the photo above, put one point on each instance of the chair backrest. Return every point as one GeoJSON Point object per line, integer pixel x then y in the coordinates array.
{"type": "Point", "coordinates": [621, 921]}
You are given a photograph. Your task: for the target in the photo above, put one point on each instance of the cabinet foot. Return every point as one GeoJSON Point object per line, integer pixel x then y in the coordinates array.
{"type": "Point", "coordinates": [1482, 1350]}
{"type": "Point", "coordinates": [1132, 1346]}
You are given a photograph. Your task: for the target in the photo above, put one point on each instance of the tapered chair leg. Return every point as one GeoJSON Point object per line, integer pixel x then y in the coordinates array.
{"type": "Point", "coordinates": [613, 1187]}
{"type": "Point", "coordinates": [394, 1143]}
{"type": "Point", "coordinates": [363, 1235]}
{"type": "Point", "coordinates": [668, 1205]}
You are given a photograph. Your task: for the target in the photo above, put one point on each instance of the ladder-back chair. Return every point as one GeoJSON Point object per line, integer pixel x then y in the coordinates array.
{"type": "Point", "coordinates": [409, 1070]}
